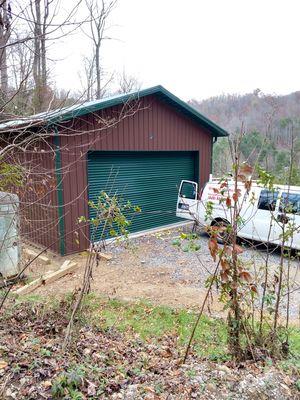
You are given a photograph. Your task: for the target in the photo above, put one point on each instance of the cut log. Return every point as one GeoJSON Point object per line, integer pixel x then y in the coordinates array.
{"type": "Point", "coordinates": [30, 287]}
{"type": "Point", "coordinates": [67, 267]}
{"type": "Point", "coordinates": [66, 263]}
{"type": "Point", "coordinates": [30, 253]}
{"type": "Point", "coordinates": [60, 273]}
{"type": "Point", "coordinates": [106, 256]}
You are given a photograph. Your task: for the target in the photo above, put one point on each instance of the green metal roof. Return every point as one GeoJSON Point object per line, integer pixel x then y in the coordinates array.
{"type": "Point", "coordinates": [77, 110]}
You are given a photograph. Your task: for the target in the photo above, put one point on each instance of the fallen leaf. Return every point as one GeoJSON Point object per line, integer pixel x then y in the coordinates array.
{"type": "Point", "coordinates": [166, 353]}
{"type": "Point", "coordinates": [91, 390]}
{"type": "Point", "coordinates": [3, 364]}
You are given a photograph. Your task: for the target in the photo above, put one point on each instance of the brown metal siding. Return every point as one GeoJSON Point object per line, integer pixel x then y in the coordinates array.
{"type": "Point", "coordinates": [38, 197]}
{"type": "Point", "coordinates": [157, 126]}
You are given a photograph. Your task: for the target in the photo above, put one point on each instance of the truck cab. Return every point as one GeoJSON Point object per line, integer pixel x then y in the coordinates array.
{"type": "Point", "coordinates": [187, 202]}
{"type": "Point", "coordinates": [264, 214]}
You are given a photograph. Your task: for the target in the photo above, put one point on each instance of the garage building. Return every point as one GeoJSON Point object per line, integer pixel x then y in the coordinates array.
{"type": "Point", "coordinates": [140, 145]}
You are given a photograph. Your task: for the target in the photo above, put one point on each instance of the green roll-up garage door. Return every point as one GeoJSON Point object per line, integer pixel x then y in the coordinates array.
{"type": "Point", "coordinates": [147, 179]}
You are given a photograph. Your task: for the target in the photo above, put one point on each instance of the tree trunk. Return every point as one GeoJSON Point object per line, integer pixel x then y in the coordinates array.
{"type": "Point", "coordinates": [4, 37]}
{"type": "Point", "coordinates": [98, 72]}
{"type": "Point", "coordinates": [43, 46]}
{"type": "Point", "coordinates": [40, 17]}
{"type": "Point", "coordinates": [99, 12]}
{"type": "Point", "coordinates": [37, 55]}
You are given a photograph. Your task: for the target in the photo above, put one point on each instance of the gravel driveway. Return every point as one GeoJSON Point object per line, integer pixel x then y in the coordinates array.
{"type": "Point", "coordinates": [192, 268]}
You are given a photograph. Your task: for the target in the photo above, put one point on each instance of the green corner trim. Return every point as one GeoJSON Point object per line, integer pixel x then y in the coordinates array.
{"type": "Point", "coordinates": [60, 199]}
{"type": "Point", "coordinates": [213, 141]}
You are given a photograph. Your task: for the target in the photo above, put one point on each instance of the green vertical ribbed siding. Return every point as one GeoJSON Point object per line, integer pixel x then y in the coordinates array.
{"type": "Point", "coordinates": [147, 179]}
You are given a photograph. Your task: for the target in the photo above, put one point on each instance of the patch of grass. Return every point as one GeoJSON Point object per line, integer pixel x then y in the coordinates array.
{"type": "Point", "coordinates": [293, 362]}
{"type": "Point", "coordinates": [33, 298]}
{"type": "Point", "coordinates": [295, 340]}
{"type": "Point", "coordinates": [152, 322]}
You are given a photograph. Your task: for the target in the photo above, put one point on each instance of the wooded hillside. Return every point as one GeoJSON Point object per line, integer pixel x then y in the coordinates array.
{"type": "Point", "coordinates": [271, 125]}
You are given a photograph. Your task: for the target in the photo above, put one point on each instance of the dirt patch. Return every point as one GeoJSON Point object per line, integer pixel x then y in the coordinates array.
{"type": "Point", "coordinates": [131, 283]}
{"type": "Point", "coordinates": [151, 268]}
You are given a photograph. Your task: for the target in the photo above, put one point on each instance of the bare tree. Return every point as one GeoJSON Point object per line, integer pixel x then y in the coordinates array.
{"type": "Point", "coordinates": [40, 20]}
{"type": "Point", "coordinates": [39, 60]}
{"type": "Point", "coordinates": [88, 66]}
{"type": "Point", "coordinates": [5, 30]}
{"type": "Point", "coordinates": [99, 12]}
{"type": "Point", "coordinates": [21, 82]}
{"type": "Point", "coordinates": [26, 33]}
{"type": "Point", "coordinates": [128, 83]}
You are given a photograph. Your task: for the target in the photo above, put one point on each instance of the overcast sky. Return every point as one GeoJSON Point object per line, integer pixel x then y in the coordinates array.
{"type": "Point", "coordinates": [198, 48]}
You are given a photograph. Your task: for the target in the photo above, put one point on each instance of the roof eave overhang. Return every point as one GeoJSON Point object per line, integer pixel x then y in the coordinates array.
{"type": "Point", "coordinates": [62, 116]}
{"type": "Point", "coordinates": [213, 128]}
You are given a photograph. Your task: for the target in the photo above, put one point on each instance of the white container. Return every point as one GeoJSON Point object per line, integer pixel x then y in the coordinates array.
{"type": "Point", "coordinates": [9, 235]}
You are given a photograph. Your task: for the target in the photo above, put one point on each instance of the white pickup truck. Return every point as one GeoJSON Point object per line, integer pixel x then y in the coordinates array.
{"type": "Point", "coordinates": [263, 212]}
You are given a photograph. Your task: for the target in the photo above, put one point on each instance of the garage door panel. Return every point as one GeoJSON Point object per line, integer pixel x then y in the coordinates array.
{"type": "Point", "coordinates": [147, 179]}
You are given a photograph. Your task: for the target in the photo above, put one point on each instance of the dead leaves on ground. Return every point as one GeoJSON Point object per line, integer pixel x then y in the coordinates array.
{"type": "Point", "coordinates": [3, 364]}
{"type": "Point", "coordinates": [100, 364]}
